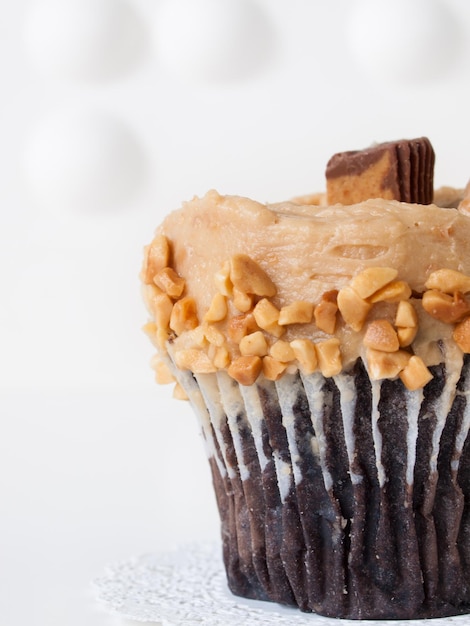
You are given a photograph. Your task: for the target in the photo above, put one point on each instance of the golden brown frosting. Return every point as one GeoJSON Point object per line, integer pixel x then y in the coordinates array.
{"type": "Point", "coordinates": [308, 250]}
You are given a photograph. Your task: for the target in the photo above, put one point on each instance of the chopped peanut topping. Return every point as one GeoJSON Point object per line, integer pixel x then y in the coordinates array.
{"type": "Point", "coordinates": [380, 335]}
{"type": "Point", "coordinates": [245, 369]}
{"type": "Point", "coordinates": [241, 325]}
{"type": "Point", "coordinates": [406, 316]}
{"type": "Point", "coordinates": [161, 338]}
{"type": "Point", "coordinates": [246, 284]}
{"type": "Point", "coordinates": [415, 374]}
{"type": "Point", "coordinates": [247, 276]}
{"type": "Point", "coordinates": [213, 335]}
{"type": "Point", "coordinates": [163, 310]}
{"type": "Point", "coordinates": [221, 358]}
{"type": "Point", "coordinates": [169, 281]}
{"type": "Point", "coordinates": [282, 351]}
{"type": "Point", "coordinates": [353, 308]}
{"type": "Point", "coordinates": [254, 344]}
{"type": "Point", "coordinates": [406, 336]}
{"type": "Point", "coordinates": [371, 280]}
{"type": "Point", "coordinates": [272, 368]}
{"type": "Point", "coordinates": [305, 353]}
{"type": "Point", "coordinates": [446, 308]}
{"type": "Point", "coordinates": [325, 312]}
{"type": "Point", "coordinates": [329, 357]}
{"type": "Point", "coordinates": [448, 281]}
{"type": "Point", "coordinates": [184, 315]}
{"type": "Point", "coordinates": [462, 335]}
{"type": "Point", "coordinates": [156, 257]}
{"type": "Point", "coordinates": [179, 393]}
{"type": "Point", "coordinates": [386, 364]}
{"type": "Point", "coordinates": [299, 312]}
{"type": "Point", "coordinates": [242, 301]}
{"type": "Point", "coordinates": [217, 310]}
{"type": "Point", "coordinates": [222, 280]}
{"type": "Point", "coordinates": [267, 317]}
{"type": "Point", "coordinates": [163, 376]}
{"type": "Point", "coordinates": [195, 360]}
{"type": "Point", "coordinates": [393, 292]}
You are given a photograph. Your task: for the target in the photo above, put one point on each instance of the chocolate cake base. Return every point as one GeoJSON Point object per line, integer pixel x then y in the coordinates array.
{"type": "Point", "coordinates": [342, 496]}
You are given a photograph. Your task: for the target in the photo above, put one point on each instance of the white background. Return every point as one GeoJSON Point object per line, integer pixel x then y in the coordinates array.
{"type": "Point", "coordinates": [98, 141]}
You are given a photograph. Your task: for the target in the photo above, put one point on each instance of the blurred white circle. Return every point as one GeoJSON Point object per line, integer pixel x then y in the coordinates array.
{"type": "Point", "coordinates": [404, 40]}
{"type": "Point", "coordinates": [213, 40]}
{"type": "Point", "coordinates": [89, 40]}
{"type": "Point", "coordinates": [84, 161]}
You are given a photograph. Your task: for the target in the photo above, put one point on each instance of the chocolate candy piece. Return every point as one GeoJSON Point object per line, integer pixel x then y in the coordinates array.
{"type": "Point", "coordinates": [399, 170]}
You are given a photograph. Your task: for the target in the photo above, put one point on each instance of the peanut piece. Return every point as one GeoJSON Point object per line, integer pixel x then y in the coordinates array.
{"type": "Point", "coordinates": [162, 338]}
{"type": "Point", "coordinates": [197, 361]}
{"type": "Point", "coordinates": [217, 310]}
{"type": "Point", "coordinates": [380, 335]}
{"type": "Point", "coordinates": [305, 353]}
{"type": "Point", "coordinates": [415, 374]}
{"type": "Point", "coordinates": [273, 369]}
{"type": "Point", "coordinates": [221, 358]}
{"type": "Point", "coordinates": [163, 375]}
{"type": "Point", "coordinates": [163, 308]}
{"type": "Point", "coordinates": [254, 344]}
{"type": "Point", "coordinates": [246, 275]}
{"type": "Point", "coordinates": [353, 308]}
{"type": "Point", "coordinates": [184, 315]}
{"type": "Point", "coordinates": [386, 364]}
{"type": "Point", "coordinates": [448, 281]}
{"type": "Point", "coordinates": [169, 281]}
{"type": "Point", "coordinates": [461, 335]}
{"type": "Point", "coordinates": [406, 316]}
{"type": "Point", "coordinates": [150, 329]}
{"type": "Point", "coordinates": [267, 317]}
{"type": "Point", "coordinates": [371, 280]}
{"type": "Point", "coordinates": [406, 336]}
{"type": "Point", "coordinates": [213, 335]}
{"type": "Point", "coordinates": [282, 351]}
{"type": "Point", "coordinates": [393, 292]}
{"type": "Point", "coordinates": [446, 308]}
{"type": "Point", "coordinates": [179, 393]}
{"type": "Point", "coordinates": [298, 312]}
{"type": "Point", "coordinates": [242, 301]}
{"type": "Point", "coordinates": [329, 357]}
{"type": "Point", "coordinates": [245, 369]}
{"type": "Point", "coordinates": [198, 336]}
{"type": "Point", "coordinates": [156, 257]}
{"type": "Point", "coordinates": [241, 325]}
{"type": "Point", "coordinates": [325, 312]}
{"type": "Point", "coordinates": [222, 280]}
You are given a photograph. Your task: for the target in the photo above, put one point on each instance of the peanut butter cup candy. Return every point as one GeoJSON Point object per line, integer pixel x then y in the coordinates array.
{"type": "Point", "coordinates": [324, 346]}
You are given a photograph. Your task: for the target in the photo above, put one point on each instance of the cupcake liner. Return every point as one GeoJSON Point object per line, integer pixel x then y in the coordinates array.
{"type": "Point", "coordinates": [343, 496]}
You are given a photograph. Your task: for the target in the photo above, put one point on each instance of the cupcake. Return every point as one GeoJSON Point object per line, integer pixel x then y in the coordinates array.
{"type": "Point", "coordinates": [323, 344]}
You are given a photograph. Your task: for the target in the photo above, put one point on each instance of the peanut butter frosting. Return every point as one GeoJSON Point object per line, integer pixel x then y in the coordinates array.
{"type": "Point", "coordinates": [258, 289]}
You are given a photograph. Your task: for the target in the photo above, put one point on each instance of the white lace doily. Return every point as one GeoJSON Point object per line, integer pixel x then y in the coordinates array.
{"type": "Point", "coordinates": [188, 588]}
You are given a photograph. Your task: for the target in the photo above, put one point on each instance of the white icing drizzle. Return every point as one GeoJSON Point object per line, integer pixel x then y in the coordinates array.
{"type": "Point", "coordinates": [287, 390]}
{"type": "Point", "coordinates": [444, 403]}
{"type": "Point", "coordinates": [255, 416]}
{"type": "Point", "coordinates": [313, 384]}
{"type": "Point", "coordinates": [376, 434]}
{"type": "Point", "coordinates": [414, 400]}
{"type": "Point", "coordinates": [254, 413]}
{"type": "Point", "coordinates": [232, 407]}
{"type": "Point", "coordinates": [347, 394]}
{"type": "Point", "coordinates": [211, 395]}
{"type": "Point", "coordinates": [198, 404]}
{"type": "Point", "coordinates": [284, 475]}
{"type": "Point", "coordinates": [464, 428]}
